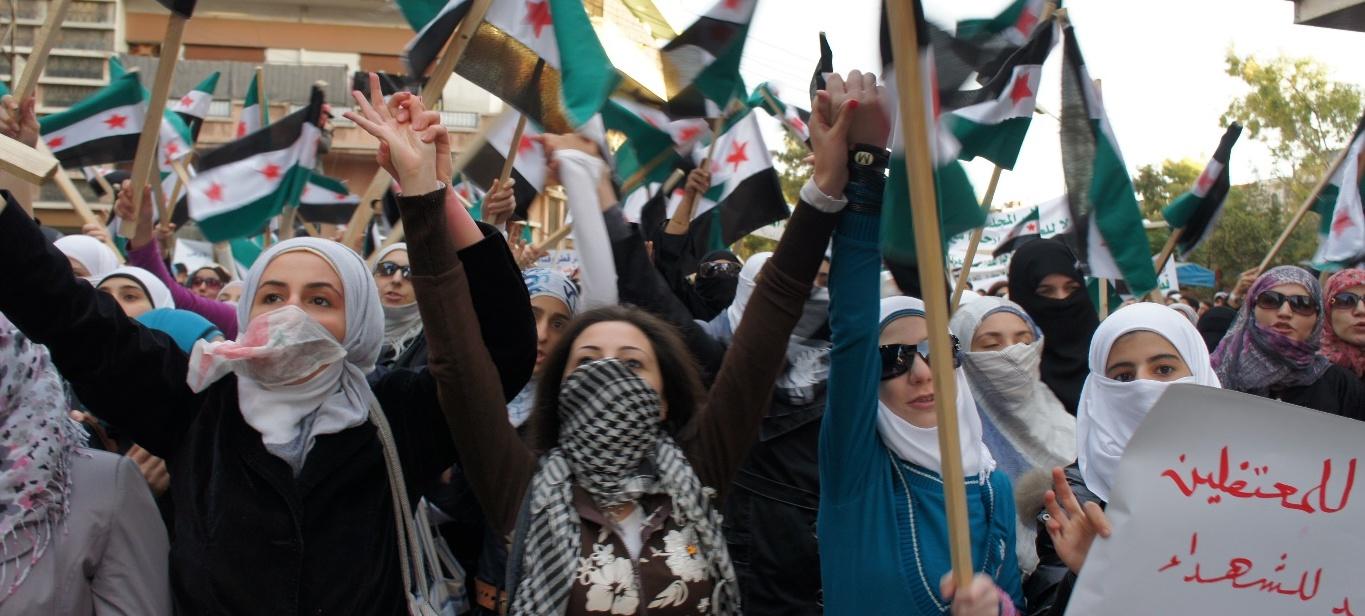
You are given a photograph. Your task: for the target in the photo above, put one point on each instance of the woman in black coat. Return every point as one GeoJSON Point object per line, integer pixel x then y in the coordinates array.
{"type": "Point", "coordinates": [287, 511]}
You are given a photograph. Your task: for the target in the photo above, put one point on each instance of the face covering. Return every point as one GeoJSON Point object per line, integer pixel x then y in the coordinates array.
{"type": "Point", "coordinates": [609, 422]}
{"type": "Point", "coordinates": [1110, 411]}
{"type": "Point", "coordinates": [278, 348]}
{"type": "Point", "coordinates": [1066, 323]}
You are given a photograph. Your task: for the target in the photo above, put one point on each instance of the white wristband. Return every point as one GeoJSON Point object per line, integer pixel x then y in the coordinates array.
{"type": "Point", "coordinates": [812, 195]}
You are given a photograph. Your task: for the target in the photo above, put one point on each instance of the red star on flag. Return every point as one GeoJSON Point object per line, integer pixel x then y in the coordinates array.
{"type": "Point", "coordinates": [1204, 183]}
{"type": "Point", "coordinates": [1031, 227]}
{"type": "Point", "coordinates": [1342, 221]}
{"type": "Point", "coordinates": [737, 155]}
{"type": "Point", "coordinates": [525, 145]}
{"type": "Point", "coordinates": [732, 4]}
{"type": "Point", "coordinates": [172, 148]}
{"type": "Point", "coordinates": [186, 101]}
{"type": "Point", "coordinates": [56, 142]}
{"type": "Point", "coordinates": [799, 125]}
{"type": "Point", "coordinates": [215, 192]}
{"type": "Point", "coordinates": [538, 15]}
{"type": "Point", "coordinates": [271, 172]}
{"type": "Point", "coordinates": [1027, 20]}
{"type": "Point", "coordinates": [116, 121]}
{"type": "Point", "coordinates": [1020, 90]}
{"type": "Point", "coordinates": [241, 129]}
{"type": "Point", "coordinates": [341, 196]}
{"type": "Point", "coordinates": [688, 133]}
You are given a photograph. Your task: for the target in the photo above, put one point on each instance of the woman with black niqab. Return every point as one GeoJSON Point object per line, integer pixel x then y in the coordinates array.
{"type": "Point", "coordinates": [1045, 281]}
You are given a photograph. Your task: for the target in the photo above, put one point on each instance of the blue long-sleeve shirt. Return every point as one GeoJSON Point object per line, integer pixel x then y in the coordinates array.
{"type": "Point", "coordinates": [882, 527]}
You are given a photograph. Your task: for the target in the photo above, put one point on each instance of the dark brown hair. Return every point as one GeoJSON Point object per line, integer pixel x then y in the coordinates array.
{"type": "Point", "coordinates": [682, 389]}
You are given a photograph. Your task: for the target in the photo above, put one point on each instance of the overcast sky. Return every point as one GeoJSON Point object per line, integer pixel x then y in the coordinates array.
{"type": "Point", "coordinates": [1161, 63]}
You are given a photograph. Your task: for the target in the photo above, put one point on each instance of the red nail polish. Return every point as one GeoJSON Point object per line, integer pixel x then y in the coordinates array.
{"type": "Point", "coordinates": [853, 104]}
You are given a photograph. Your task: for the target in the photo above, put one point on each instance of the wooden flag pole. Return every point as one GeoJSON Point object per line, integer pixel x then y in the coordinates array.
{"type": "Point", "coordinates": [633, 182]}
{"type": "Point", "coordinates": [1164, 256]}
{"type": "Point", "coordinates": [78, 202]}
{"type": "Point", "coordinates": [431, 93]}
{"type": "Point", "coordinates": [42, 46]}
{"type": "Point", "coordinates": [262, 103]}
{"type": "Point", "coordinates": [32, 165]}
{"type": "Point", "coordinates": [151, 125]}
{"type": "Point", "coordinates": [555, 238]}
{"type": "Point", "coordinates": [779, 106]}
{"type": "Point", "coordinates": [928, 252]}
{"type": "Point", "coordinates": [1303, 210]}
{"type": "Point", "coordinates": [1104, 298]}
{"type": "Point", "coordinates": [976, 240]}
{"type": "Point", "coordinates": [512, 149]}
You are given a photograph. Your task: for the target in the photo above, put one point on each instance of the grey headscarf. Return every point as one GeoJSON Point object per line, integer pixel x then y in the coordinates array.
{"type": "Point", "coordinates": [402, 324]}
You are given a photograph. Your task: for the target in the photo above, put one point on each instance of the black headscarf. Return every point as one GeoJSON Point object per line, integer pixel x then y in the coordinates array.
{"type": "Point", "coordinates": [709, 296]}
{"type": "Point", "coordinates": [1214, 324]}
{"type": "Point", "coordinates": [1067, 324]}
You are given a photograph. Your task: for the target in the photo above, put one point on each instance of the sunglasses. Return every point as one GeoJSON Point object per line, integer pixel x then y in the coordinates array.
{"type": "Point", "coordinates": [1345, 301]}
{"type": "Point", "coordinates": [211, 282]}
{"type": "Point", "coordinates": [388, 268]}
{"type": "Point", "coordinates": [715, 269]}
{"type": "Point", "coordinates": [898, 358]}
{"type": "Point", "coordinates": [1302, 305]}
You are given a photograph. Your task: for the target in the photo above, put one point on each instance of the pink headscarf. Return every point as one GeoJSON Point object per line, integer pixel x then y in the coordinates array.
{"type": "Point", "coordinates": [1342, 353]}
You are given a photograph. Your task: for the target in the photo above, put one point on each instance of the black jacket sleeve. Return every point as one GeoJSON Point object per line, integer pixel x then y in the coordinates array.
{"type": "Point", "coordinates": [129, 376]}
{"type": "Point", "coordinates": [1048, 590]}
{"type": "Point", "coordinates": [639, 283]}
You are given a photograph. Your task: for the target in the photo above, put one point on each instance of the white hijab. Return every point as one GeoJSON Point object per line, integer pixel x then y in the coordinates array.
{"type": "Point", "coordinates": [1011, 390]}
{"type": "Point", "coordinates": [748, 279]}
{"type": "Point", "coordinates": [401, 323]}
{"type": "Point", "coordinates": [1110, 411]}
{"type": "Point", "coordinates": [157, 292]}
{"type": "Point", "coordinates": [918, 445]}
{"type": "Point", "coordinates": [97, 258]}
{"type": "Point", "coordinates": [291, 417]}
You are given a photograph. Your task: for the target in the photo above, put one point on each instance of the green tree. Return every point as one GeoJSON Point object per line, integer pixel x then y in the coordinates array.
{"type": "Point", "coordinates": [791, 168]}
{"type": "Point", "coordinates": [1157, 186]}
{"type": "Point", "coordinates": [1253, 217]}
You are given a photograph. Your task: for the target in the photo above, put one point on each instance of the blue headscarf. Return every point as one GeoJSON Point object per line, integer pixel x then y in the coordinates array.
{"type": "Point", "coordinates": [542, 281]}
{"type": "Point", "coordinates": [183, 326]}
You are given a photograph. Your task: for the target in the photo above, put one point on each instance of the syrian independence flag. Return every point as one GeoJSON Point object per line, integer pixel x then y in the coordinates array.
{"type": "Point", "coordinates": [242, 184]}
{"type": "Point", "coordinates": [326, 201]}
{"type": "Point", "coordinates": [528, 169]}
{"type": "Point", "coordinates": [647, 153]}
{"type": "Point", "coordinates": [991, 121]}
{"type": "Point", "coordinates": [250, 119]}
{"type": "Point", "coordinates": [470, 193]}
{"type": "Point", "coordinates": [701, 64]}
{"type": "Point", "coordinates": [193, 107]}
{"type": "Point", "coordinates": [958, 209]}
{"type": "Point", "coordinates": [1197, 211]}
{"type": "Point", "coordinates": [543, 58]}
{"type": "Point", "coordinates": [102, 129]}
{"type": "Point", "coordinates": [1027, 228]}
{"type": "Point", "coordinates": [1341, 231]}
{"type": "Point", "coordinates": [745, 191]}
{"type": "Point", "coordinates": [1014, 25]}
{"type": "Point", "coordinates": [434, 30]}
{"type": "Point", "coordinates": [1109, 236]}
{"type": "Point", "coordinates": [793, 118]}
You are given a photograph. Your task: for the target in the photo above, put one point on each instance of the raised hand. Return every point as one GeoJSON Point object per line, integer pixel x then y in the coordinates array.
{"type": "Point", "coordinates": [123, 206]}
{"type": "Point", "coordinates": [410, 158]}
{"type": "Point", "coordinates": [982, 598]}
{"type": "Point", "coordinates": [698, 181]}
{"type": "Point", "coordinates": [500, 202]}
{"type": "Point", "coordinates": [95, 230]}
{"type": "Point", "coordinates": [871, 120]}
{"type": "Point", "coordinates": [19, 121]}
{"type": "Point", "coordinates": [1072, 527]}
{"type": "Point", "coordinates": [153, 469]}
{"type": "Point", "coordinates": [829, 125]}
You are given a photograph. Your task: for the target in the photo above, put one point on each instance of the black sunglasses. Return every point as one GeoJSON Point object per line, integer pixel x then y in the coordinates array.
{"type": "Point", "coordinates": [1302, 305]}
{"type": "Point", "coordinates": [898, 358]}
{"type": "Point", "coordinates": [388, 268]}
{"type": "Point", "coordinates": [715, 269]}
{"type": "Point", "coordinates": [1345, 301]}
{"type": "Point", "coordinates": [211, 282]}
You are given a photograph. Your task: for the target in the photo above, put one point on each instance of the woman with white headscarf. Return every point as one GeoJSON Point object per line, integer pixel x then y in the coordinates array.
{"type": "Point", "coordinates": [883, 535]}
{"type": "Point", "coordinates": [282, 491]}
{"type": "Point", "coordinates": [136, 290]}
{"type": "Point", "coordinates": [1136, 353]}
{"type": "Point", "coordinates": [89, 257]}
{"type": "Point", "coordinates": [1026, 428]}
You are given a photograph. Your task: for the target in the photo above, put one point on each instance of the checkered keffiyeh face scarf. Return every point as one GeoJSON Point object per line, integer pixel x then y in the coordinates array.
{"type": "Point", "coordinates": [610, 436]}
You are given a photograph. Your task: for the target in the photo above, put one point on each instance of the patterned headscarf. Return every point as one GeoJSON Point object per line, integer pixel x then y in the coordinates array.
{"type": "Point", "coordinates": [1253, 359]}
{"type": "Point", "coordinates": [1342, 353]}
{"type": "Point", "coordinates": [35, 453]}
{"type": "Point", "coordinates": [543, 281]}
{"type": "Point", "coordinates": [609, 436]}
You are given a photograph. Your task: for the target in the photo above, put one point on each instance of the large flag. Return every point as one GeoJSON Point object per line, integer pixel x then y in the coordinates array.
{"type": "Point", "coordinates": [1197, 211]}
{"type": "Point", "coordinates": [250, 119]}
{"type": "Point", "coordinates": [242, 184]}
{"type": "Point", "coordinates": [193, 107]}
{"type": "Point", "coordinates": [326, 200]}
{"type": "Point", "coordinates": [1109, 236]}
{"type": "Point", "coordinates": [958, 209]}
{"type": "Point", "coordinates": [1013, 26]}
{"type": "Point", "coordinates": [101, 129]}
{"type": "Point", "coordinates": [793, 118]}
{"type": "Point", "coordinates": [991, 121]}
{"type": "Point", "coordinates": [745, 191]}
{"type": "Point", "coordinates": [1341, 230]}
{"type": "Point", "coordinates": [528, 169]}
{"type": "Point", "coordinates": [647, 152]}
{"type": "Point", "coordinates": [543, 58]}
{"type": "Point", "coordinates": [701, 65]}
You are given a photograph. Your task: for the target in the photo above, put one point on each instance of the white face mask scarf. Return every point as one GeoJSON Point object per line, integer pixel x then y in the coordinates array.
{"type": "Point", "coordinates": [918, 445]}
{"type": "Point", "coordinates": [748, 279]}
{"type": "Point", "coordinates": [1110, 411]}
{"type": "Point", "coordinates": [285, 345]}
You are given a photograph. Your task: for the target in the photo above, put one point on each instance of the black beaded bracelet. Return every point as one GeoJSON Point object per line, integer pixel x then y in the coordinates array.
{"type": "Point", "coordinates": [866, 176]}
